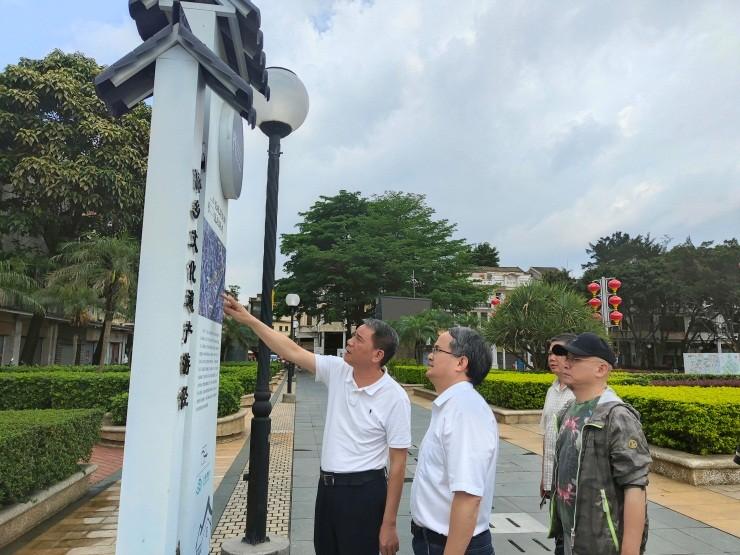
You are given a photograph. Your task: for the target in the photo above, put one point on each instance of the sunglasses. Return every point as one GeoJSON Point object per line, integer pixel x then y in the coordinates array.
{"type": "Point", "coordinates": [558, 350]}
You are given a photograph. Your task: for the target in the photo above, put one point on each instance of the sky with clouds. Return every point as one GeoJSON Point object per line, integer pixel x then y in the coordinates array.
{"type": "Point", "coordinates": [537, 126]}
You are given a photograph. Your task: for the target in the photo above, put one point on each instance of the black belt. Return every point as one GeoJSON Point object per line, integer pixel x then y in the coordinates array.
{"type": "Point", "coordinates": [434, 537]}
{"type": "Point", "coordinates": [351, 478]}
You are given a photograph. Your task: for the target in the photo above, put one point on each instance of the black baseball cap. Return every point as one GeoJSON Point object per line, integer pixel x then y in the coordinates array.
{"type": "Point", "coordinates": [591, 345]}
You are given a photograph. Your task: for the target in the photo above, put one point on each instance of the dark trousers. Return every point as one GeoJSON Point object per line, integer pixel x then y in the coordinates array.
{"type": "Point", "coordinates": [347, 518]}
{"type": "Point", "coordinates": [559, 547]}
{"type": "Point", "coordinates": [426, 542]}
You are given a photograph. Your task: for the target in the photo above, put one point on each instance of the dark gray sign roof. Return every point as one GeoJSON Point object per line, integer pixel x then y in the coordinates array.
{"type": "Point", "coordinates": [131, 79]}
{"type": "Point", "coordinates": [240, 34]}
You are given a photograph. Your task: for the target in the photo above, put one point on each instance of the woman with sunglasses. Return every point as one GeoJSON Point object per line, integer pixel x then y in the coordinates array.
{"type": "Point", "coordinates": [558, 395]}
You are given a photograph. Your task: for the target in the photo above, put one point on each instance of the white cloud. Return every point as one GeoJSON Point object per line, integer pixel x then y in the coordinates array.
{"type": "Point", "coordinates": [104, 41]}
{"type": "Point", "coordinates": [536, 128]}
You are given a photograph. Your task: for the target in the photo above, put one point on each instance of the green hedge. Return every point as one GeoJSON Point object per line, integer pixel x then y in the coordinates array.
{"type": "Point", "coordinates": [67, 368]}
{"type": "Point", "coordinates": [409, 374]}
{"type": "Point", "coordinates": [229, 395]}
{"type": "Point", "coordinates": [41, 447]}
{"type": "Point", "coordinates": [118, 408]}
{"type": "Point", "coordinates": [60, 390]}
{"type": "Point", "coordinates": [695, 420]}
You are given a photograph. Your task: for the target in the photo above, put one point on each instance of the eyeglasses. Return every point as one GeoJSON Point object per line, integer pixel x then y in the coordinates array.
{"type": "Point", "coordinates": [436, 350]}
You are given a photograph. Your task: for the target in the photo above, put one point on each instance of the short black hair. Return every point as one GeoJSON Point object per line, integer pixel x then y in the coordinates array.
{"type": "Point", "coordinates": [469, 343]}
{"type": "Point", "coordinates": [385, 338]}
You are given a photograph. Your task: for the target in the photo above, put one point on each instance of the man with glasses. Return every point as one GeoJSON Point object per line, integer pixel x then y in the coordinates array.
{"type": "Point", "coordinates": [601, 459]}
{"type": "Point", "coordinates": [452, 492]}
{"type": "Point", "coordinates": [368, 424]}
{"type": "Point", "coordinates": [558, 395]}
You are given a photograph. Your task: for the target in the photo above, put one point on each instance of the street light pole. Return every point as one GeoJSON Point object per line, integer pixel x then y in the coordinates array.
{"type": "Point", "coordinates": [283, 114]}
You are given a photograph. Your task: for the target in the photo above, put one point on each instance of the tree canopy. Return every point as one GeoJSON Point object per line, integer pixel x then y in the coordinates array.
{"type": "Point", "coordinates": [484, 254]}
{"type": "Point", "coordinates": [534, 313]}
{"type": "Point", "coordinates": [349, 250]}
{"type": "Point", "coordinates": [685, 290]}
{"type": "Point", "coordinates": [66, 166]}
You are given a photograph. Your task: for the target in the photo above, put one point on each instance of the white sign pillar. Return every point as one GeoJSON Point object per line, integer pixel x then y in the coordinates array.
{"type": "Point", "coordinates": [167, 487]}
{"type": "Point", "coordinates": [152, 465]}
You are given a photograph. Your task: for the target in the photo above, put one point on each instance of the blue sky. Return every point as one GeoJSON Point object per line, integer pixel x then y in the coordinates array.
{"type": "Point", "coordinates": [537, 126]}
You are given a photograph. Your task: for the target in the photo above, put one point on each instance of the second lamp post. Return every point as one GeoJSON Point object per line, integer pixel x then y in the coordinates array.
{"type": "Point", "coordinates": [292, 300]}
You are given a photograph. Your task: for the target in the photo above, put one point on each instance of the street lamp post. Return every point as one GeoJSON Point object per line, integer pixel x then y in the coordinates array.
{"type": "Point", "coordinates": [292, 300]}
{"type": "Point", "coordinates": [278, 118]}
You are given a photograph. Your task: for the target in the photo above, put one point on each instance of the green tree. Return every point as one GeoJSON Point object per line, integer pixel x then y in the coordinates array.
{"type": "Point", "coordinates": [534, 313]}
{"type": "Point", "coordinates": [66, 166]}
{"type": "Point", "coordinates": [350, 250]}
{"type": "Point", "coordinates": [723, 289]}
{"type": "Point", "coordinates": [234, 334]}
{"type": "Point", "coordinates": [419, 330]}
{"type": "Point", "coordinates": [484, 254]}
{"type": "Point", "coordinates": [648, 297]}
{"type": "Point", "coordinates": [77, 303]}
{"type": "Point", "coordinates": [562, 277]}
{"type": "Point", "coordinates": [106, 265]}
{"type": "Point", "coordinates": [17, 288]}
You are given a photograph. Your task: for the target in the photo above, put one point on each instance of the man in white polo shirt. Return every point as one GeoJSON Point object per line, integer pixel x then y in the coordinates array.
{"type": "Point", "coordinates": [368, 424]}
{"type": "Point", "coordinates": [452, 493]}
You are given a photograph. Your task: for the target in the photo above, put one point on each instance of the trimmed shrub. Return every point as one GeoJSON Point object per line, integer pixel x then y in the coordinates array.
{"type": "Point", "coordinates": [245, 375]}
{"type": "Point", "coordinates": [691, 419]}
{"type": "Point", "coordinates": [118, 408]}
{"type": "Point", "coordinates": [397, 361]}
{"type": "Point", "coordinates": [41, 447]}
{"type": "Point", "coordinates": [229, 395]}
{"type": "Point", "coordinates": [25, 390]}
{"type": "Point", "coordinates": [696, 420]}
{"type": "Point", "coordinates": [410, 374]}
{"type": "Point", "coordinates": [67, 368]}
{"type": "Point", "coordinates": [59, 390]}
{"type": "Point", "coordinates": [71, 390]}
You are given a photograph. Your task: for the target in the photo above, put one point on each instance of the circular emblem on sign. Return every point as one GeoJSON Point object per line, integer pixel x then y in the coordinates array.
{"type": "Point", "coordinates": [230, 152]}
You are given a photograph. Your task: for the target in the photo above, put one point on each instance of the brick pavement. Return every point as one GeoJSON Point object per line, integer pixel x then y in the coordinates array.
{"type": "Point", "coordinates": [233, 520]}
{"type": "Point", "coordinates": [108, 459]}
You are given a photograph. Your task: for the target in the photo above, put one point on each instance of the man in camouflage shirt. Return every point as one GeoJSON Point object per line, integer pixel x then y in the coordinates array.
{"type": "Point", "coordinates": [601, 460]}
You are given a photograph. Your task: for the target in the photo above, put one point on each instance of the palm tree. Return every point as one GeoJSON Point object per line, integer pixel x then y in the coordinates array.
{"type": "Point", "coordinates": [235, 334]}
{"type": "Point", "coordinates": [76, 303]}
{"type": "Point", "coordinates": [421, 329]}
{"type": "Point", "coordinates": [105, 265]}
{"type": "Point", "coordinates": [534, 313]}
{"type": "Point", "coordinates": [17, 288]}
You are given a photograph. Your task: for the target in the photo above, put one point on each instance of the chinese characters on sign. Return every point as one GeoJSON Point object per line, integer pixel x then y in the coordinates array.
{"type": "Point", "coordinates": [189, 304]}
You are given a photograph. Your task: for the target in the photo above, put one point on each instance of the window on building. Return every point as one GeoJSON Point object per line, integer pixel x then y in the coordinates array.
{"type": "Point", "coordinates": [309, 320]}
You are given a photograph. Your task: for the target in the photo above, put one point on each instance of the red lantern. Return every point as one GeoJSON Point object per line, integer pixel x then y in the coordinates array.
{"type": "Point", "coordinates": [614, 284]}
{"type": "Point", "coordinates": [495, 301]}
{"type": "Point", "coordinates": [596, 315]}
{"type": "Point", "coordinates": [595, 303]}
{"type": "Point", "coordinates": [616, 317]}
{"type": "Point", "coordinates": [615, 301]}
{"type": "Point", "coordinates": [593, 288]}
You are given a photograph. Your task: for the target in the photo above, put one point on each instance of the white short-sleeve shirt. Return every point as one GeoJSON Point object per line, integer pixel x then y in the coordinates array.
{"type": "Point", "coordinates": [361, 422]}
{"type": "Point", "coordinates": [458, 453]}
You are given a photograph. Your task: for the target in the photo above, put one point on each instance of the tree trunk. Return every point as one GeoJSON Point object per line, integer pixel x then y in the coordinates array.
{"type": "Point", "coordinates": [76, 349]}
{"type": "Point", "coordinates": [104, 340]}
{"type": "Point", "coordinates": [32, 339]}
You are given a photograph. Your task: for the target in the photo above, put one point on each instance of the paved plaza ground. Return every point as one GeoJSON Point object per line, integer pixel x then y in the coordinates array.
{"type": "Point", "coordinates": [710, 523]}
{"type": "Point", "coordinates": [519, 526]}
